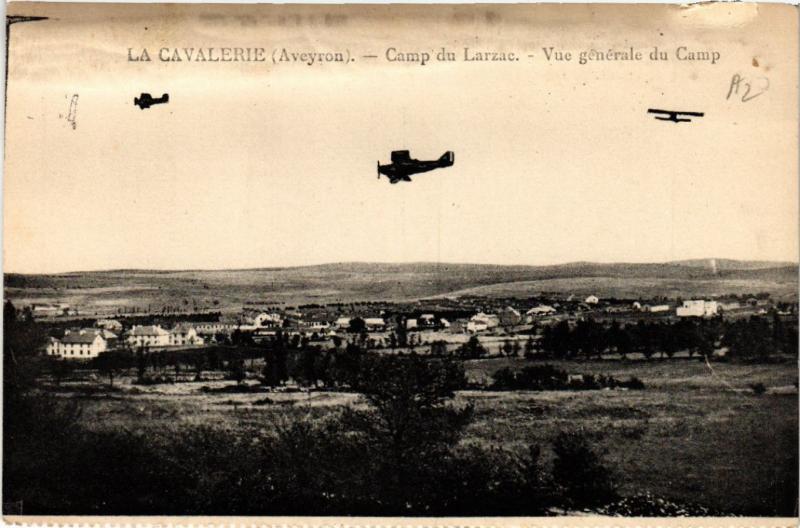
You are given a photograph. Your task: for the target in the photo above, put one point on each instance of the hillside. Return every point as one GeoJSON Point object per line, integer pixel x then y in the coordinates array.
{"type": "Point", "coordinates": [348, 282]}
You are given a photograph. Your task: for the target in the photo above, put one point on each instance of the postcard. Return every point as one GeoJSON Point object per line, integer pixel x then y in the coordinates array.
{"type": "Point", "coordinates": [401, 265]}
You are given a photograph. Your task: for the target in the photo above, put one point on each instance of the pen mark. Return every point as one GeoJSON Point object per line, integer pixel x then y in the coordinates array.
{"type": "Point", "coordinates": [73, 109]}
{"type": "Point", "coordinates": [673, 115]}
{"type": "Point", "coordinates": [145, 100]}
{"type": "Point", "coordinates": [747, 89]}
{"type": "Point", "coordinates": [9, 21]}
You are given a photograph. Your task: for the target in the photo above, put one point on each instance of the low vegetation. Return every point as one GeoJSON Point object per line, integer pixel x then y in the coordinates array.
{"type": "Point", "coordinates": [400, 437]}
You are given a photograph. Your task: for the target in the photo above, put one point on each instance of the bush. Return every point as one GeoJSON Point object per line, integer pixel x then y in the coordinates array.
{"type": "Point", "coordinates": [579, 473]}
{"type": "Point", "coordinates": [633, 383]}
{"type": "Point", "coordinates": [547, 377]}
{"type": "Point", "coordinates": [758, 388]}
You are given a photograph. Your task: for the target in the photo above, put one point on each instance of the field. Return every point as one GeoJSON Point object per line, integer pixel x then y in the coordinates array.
{"type": "Point", "coordinates": [692, 435]}
{"type": "Point", "coordinates": [228, 291]}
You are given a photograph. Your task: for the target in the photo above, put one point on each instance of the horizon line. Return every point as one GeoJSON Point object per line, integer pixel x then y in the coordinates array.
{"type": "Point", "coordinates": [676, 262]}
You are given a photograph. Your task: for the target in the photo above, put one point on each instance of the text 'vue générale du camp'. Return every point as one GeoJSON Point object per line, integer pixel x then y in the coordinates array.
{"type": "Point", "coordinates": [392, 54]}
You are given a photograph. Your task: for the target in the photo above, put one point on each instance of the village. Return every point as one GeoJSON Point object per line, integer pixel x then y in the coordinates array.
{"type": "Point", "coordinates": [380, 325]}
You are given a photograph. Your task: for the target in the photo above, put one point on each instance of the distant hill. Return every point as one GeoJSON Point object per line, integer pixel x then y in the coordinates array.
{"type": "Point", "coordinates": [729, 264]}
{"type": "Point", "coordinates": [352, 282]}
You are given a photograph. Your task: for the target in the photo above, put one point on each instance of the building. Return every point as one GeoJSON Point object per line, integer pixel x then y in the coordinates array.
{"type": "Point", "coordinates": [509, 316]}
{"type": "Point", "coordinates": [214, 328]}
{"type": "Point", "coordinates": [78, 344]}
{"type": "Point", "coordinates": [109, 324]}
{"type": "Point", "coordinates": [375, 324]}
{"type": "Point", "coordinates": [592, 299]}
{"type": "Point", "coordinates": [50, 310]}
{"type": "Point", "coordinates": [697, 308]}
{"type": "Point", "coordinates": [730, 305]}
{"type": "Point", "coordinates": [475, 326]}
{"type": "Point", "coordinates": [540, 310]}
{"type": "Point", "coordinates": [490, 320]}
{"type": "Point", "coordinates": [262, 320]}
{"type": "Point", "coordinates": [316, 323]}
{"type": "Point", "coordinates": [148, 336]}
{"type": "Point", "coordinates": [342, 323]}
{"type": "Point", "coordinates": [184, 335]}
{"type": "Point", "coordinates": [656, 308]}
{"type": "Point", "coordinates": [458, 326]}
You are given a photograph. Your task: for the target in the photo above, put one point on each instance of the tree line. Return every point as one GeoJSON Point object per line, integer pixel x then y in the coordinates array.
{"type": "Point", "coordinates": [753, 339]}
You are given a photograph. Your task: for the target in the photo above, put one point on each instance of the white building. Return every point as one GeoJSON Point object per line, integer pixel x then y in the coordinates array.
{"type": "Point", "coordinates": [474, 326]}
{"type": "Point", "coordinates": [375, 323]}
{"type": "Point", "coordinates": [542, 309]}
{"type": "Point", "coordinates": [427, 319]}
{"type": "Point", "coordinates": [109, 324]}
{"type": "Point", "coordinates": [697, 308]}
{"type": "Point", "coordinates": [78, 344]}
{"type": "Point", "coordinates": [592, 299]}
{"type": "Point", "coordinates": [45, 310]}
{"type": "Point", "coordinates": [262, 320]}
{"type": "Point", "coordinates": [213, 328]}
{"type": "Point", "coordinates": [342, 322]}
{"type": "Point", "coordinates": [481, 322]}
{"type": "Point", "coordinates": [184, 335]}
{"type": "Point", "coordinates": [490, 320]}
{"type": "Point", "coordinates": [149, 336]}
{"type": "Point", "coordinates": [656, 308]}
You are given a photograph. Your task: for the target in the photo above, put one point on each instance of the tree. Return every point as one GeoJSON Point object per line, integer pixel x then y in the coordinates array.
{"type": "Point", "coordinates": [304, 370]}
{"type": "Point", "coordinates": [200, 364]}
{"type": "Point", "coordinates": [357, 325]}
{"type": "Point", "coordinates": [472, 349]}
{"type": "Point", "coordinates": [579, 472]}
{"type": "Point", "coordinates": [60, 369]}
{"type": "Point", "coordinates": [275, 358]}
{"type": "Point", "coordinates": [111, 362]}
{"type": "Point", "coordinates": [236, 370]}
{"type": "Point", "coordinates": [530, 348]}
{"type": "Point", "coordinates": [410, 427]}
{"type": "Point", "coordinates": [438, 348]}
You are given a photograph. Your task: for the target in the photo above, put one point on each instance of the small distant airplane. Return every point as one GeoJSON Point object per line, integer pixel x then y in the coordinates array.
{"type": "Point", "coordinates": [146, 100]}
{"type": "Point", "coordinates": [673, 115]}
{"type": "Point", "coordinates": [402, 166]}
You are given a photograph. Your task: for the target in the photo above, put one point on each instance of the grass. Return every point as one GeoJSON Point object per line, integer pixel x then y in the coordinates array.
{"type": "Point", "coordinates": [691, 435]}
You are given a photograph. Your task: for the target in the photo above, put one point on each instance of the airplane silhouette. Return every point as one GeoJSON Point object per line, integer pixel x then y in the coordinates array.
{"type": "Point", "coordinates": [402, 166]}
{"type": "Point", "coordinates": [146, 100]}
{"type": "Point", "coordinates": [673, 115]}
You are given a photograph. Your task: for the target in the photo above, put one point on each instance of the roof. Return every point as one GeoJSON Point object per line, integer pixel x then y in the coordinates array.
{"type": "Point", "coordinates": [541, 309]}
{"type": "Point", "coordinates": [80, 337]}
{"type": "Point", "coordinates": [182, 328]}
{"type": "Point", "coordinates": [374, 321]}
{"type": "Point", "coordinates": [150, 330]}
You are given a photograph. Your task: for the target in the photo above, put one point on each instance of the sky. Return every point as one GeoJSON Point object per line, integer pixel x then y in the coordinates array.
{"type": "Point", "coordinates": [260, 165]}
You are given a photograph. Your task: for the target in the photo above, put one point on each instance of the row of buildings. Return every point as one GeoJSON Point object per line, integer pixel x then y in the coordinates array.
{"type": "Point", "coordinates": [87, 343]}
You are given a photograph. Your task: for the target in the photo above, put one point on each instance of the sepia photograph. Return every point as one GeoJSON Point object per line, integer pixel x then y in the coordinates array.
{"type": "Point", "coordinates": [401, 261]}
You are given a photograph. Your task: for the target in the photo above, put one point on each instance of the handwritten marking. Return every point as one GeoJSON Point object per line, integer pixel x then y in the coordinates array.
{"type": "Point", "coordinates": [750, 89]}
{"type": "Point", "coordinates": [73, 109]}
